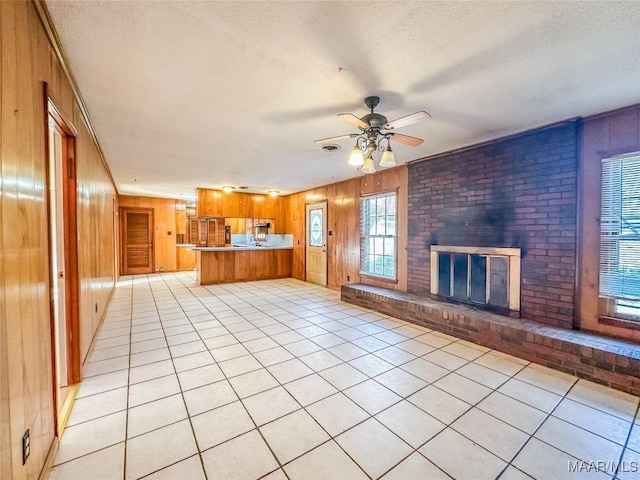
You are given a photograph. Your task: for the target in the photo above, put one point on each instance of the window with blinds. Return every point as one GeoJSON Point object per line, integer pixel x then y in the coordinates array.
{"type": "Point", "coordinates": [620, 233]}
{"type": "Point", "coordinates": [378, 235]}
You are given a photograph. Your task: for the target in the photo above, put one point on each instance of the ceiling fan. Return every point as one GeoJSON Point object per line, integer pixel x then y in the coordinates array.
{"type": "Point", "coordinates": [374, 128]}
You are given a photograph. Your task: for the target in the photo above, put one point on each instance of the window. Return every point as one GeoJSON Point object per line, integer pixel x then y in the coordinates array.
{"type": "Point", "coordinates": [620, 234]}
{"type": "Point", "coordinates": [378, 235]}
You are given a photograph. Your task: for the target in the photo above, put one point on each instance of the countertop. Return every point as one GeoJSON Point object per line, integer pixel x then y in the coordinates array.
{"type": "Point", "coordinates": [240, 249]}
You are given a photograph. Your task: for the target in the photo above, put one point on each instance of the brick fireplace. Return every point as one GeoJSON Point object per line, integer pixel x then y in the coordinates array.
{"type": "Point", "coordinates": [518, 193]}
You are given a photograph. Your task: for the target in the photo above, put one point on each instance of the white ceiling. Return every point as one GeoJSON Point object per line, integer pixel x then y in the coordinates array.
{"type": "Point", "coordinates": [203, 94]}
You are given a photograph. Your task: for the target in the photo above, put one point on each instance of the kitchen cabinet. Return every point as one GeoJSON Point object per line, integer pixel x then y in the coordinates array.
{"type": "Point", "coordinates": [222, 265]}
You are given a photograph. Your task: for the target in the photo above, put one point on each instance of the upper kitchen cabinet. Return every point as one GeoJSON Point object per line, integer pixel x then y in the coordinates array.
{"type": "Point", "coordinates": [215, 203]}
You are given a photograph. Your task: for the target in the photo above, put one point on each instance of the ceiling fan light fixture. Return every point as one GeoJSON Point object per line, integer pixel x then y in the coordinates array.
{"type": "Point", "coordinates": [368, 166]}
{"type": "Point", "coordinates": [356, 159]}
{"type": "Point", "coordinates": [228, 188]}
{"type": "Point", "coordinates": [388, 158]}
{"type": "Point", "coordinates": [372, 134]}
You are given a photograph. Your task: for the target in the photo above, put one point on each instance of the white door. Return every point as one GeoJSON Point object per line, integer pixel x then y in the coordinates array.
{"type": "Point", "coordinates": [317, 243]}
{"type": "Point", "coordinates": [56, 215]}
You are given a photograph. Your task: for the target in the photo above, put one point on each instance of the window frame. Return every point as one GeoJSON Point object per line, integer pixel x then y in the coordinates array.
{"type": "Point", "coordinates": [365, 237]}
{"type": "Point", "coordinates": [612, 232]}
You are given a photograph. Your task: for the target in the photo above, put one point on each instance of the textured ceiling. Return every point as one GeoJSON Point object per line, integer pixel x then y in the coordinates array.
{"type": "Point", "coordinates": [204, 94]}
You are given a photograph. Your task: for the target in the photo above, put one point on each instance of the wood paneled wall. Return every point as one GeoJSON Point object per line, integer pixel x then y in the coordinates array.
{"type": "Point", "coordinates": [27, 60]}
{"type": "Point", "coordinates": [602, 137]}
{"type": "Point", "coordinates": [164, 220]}
{"type": "Point", "coordinates": [97, 246]}
{"type": "Point", "coordinates": [215, 203]}
{"type": "Point", "coordinates": [343, 221]}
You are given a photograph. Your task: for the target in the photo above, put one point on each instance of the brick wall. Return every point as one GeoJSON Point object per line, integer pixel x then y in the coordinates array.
{"type": "Point", "coordinates": [517, 192]}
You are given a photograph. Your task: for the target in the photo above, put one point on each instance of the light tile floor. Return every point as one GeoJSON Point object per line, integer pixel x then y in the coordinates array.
{"type": "Point", "coordinates": [280, 379]}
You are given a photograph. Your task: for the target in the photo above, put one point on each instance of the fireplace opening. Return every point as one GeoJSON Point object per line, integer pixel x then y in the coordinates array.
{"type": "Point", "coordinates": [486, 277]}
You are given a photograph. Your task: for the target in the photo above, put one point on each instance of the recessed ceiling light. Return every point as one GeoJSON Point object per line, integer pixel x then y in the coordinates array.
{"type": "Point", "coordinates": [228, 188]}
{"type": "Point", "coordinates": [273, 193]}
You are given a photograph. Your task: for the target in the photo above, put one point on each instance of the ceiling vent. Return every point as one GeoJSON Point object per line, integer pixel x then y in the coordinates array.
{"type": "Point", "coordinates": [330, 147]}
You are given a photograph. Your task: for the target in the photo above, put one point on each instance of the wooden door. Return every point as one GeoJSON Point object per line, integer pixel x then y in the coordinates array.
{"type": "Point", "coordinates": [137, 240]}
{"type": "Point", "coordinates": [317, 243]}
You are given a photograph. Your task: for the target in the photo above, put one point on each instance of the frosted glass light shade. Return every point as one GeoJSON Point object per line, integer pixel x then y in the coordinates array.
{"type": "Point", "coordinates": [356, 159]}
{"type": "Point", "coordinates": [368, 166]}
{"type": "Point", "coordinates": [388, 159]}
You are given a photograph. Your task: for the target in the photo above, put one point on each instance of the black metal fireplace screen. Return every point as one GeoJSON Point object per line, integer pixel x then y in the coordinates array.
{"type": "Point", "coordinates": [483, 276]}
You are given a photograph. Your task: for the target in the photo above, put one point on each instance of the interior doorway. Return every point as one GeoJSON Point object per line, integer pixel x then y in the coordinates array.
{"type": "Point", "coordinates": [316, 251]}
{"type": "Point", "coordinates": [137, 240]}
{"type": "Point", "coordinates": [63, 261]}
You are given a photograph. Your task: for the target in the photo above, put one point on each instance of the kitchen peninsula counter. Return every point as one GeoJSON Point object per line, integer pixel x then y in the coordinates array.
{"type": "Point", "coordinates": [238, 248]}
{"type": "Point", "coordinates": [242, 263]}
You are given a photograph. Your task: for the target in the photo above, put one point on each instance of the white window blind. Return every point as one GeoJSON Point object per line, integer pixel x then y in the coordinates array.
{"type": "Point", "coordinates": [620, 228]}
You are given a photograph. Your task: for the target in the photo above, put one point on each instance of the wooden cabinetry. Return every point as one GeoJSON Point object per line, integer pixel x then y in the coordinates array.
{"type": "Point", "coordinates": [238, 265]}
{"type": "Point", "coordinates": [185, 259]}
{"type": "Point", "coordinates": [206, 231]}
{"type": "Point", "coordinates": [242, 205]}
{"type": "Point", "coordinates": [238, 225]}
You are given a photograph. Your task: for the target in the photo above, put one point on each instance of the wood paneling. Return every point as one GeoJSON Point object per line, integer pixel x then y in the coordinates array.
{"type": "Point", "coordinates": [185, 259]}
{"type": "Point", "coordinates": [603, 136]}
{"type": "Point", "coordinates": [181, 221]}
{"type": "Point", "coordinates": [238, 225]}
{"type": "Point", "coordinates": [343, 217]}
{"type": "Point", "coordinates": [27, 61]}
{"type": "Point", "coordinates": [233, 265]}
{"type": "Point", "coordinates": [164, 216]}
{"type": "Point", "coordinates": [97, 245]}
{"type": "Point", "coordinates": [215, 203]}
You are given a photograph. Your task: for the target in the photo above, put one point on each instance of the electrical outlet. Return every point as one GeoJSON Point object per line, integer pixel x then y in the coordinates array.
{"type": "Point", "coordinates": [26, 446]}
{"type": "Point", "coordinates": [348, 278]}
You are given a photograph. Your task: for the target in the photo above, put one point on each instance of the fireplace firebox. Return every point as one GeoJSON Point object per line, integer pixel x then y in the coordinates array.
{"type": "Point", "coordinates": [487, 277]}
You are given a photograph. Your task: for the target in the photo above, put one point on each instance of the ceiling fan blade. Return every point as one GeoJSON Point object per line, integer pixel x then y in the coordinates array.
{"type": "Point", "coordinates": [405, 139]}
{"type": "Point", "coordinates": [335, 139]}
{"type": "Point", "coordinates": [353, 120]}
{"type": "Point", "coordinates": [407, 120]}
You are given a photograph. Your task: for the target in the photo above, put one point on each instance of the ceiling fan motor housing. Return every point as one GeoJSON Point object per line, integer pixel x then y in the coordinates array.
{"type": "Point", "coordinates": [374, 120]}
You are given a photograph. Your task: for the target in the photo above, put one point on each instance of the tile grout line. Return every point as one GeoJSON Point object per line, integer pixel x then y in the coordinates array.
{"type": "Point", "coordinates": [626, 443]}
{"type": "Point", "coordinates": [126, 427]}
